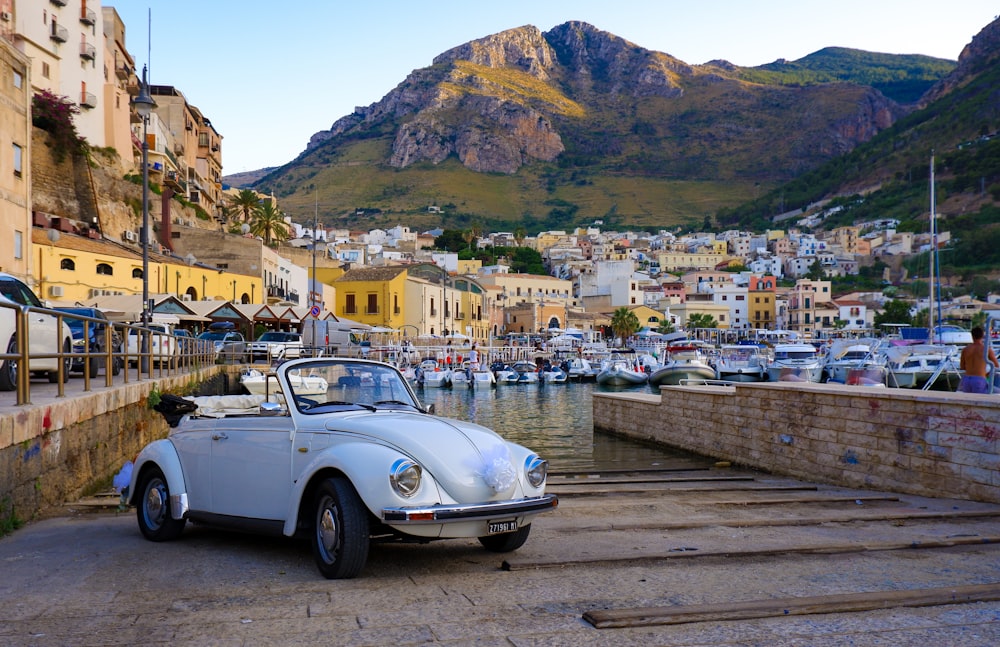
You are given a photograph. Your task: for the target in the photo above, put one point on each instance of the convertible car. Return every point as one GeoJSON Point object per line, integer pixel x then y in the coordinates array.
{"type": "Point", "coordinates": [362, 461]}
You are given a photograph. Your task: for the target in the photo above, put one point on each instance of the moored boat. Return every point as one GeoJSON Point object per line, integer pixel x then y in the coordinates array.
{"type": "Point", "coordinates": [740, 363]}
{"type": "Point", "coordinates": [257, 383]}
{"type": "Point", "coordinates": [923, 366]}
{"type": "Point", "coordinates": [795, 363]}
{"type": "Point", "coordinates": [684, 362]}
{"type": "Point", "coordinates": [621, 370]}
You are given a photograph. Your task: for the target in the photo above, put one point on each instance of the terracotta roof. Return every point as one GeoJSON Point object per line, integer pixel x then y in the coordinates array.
{"type": "Point", "coordinates": [371, 274]}
{"type": "Point", "coordinates": [39, 236]}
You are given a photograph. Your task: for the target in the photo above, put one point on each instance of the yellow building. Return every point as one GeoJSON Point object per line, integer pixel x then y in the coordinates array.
{"type": "Point", "coordinates": [678, 261]}
{"type": "Point", "coordinates": [15, 166]}
{"type": "Point", "coordinates": [71, 268]}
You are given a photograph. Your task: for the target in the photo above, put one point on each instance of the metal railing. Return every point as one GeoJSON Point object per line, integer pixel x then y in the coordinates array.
{"type": "Point", "coordinates": [22, 324]}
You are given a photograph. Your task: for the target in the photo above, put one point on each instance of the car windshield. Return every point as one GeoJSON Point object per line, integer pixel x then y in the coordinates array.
{"type": "Point", "coordinates": [212, 335]}
{"type": "Point", "coordinates": [322, 386]}
{"type": "Point", "coordinates": [274, 336]}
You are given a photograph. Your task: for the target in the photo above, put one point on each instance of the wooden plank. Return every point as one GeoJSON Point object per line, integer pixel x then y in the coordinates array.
{"type": "Point", "coordinates": [745, 610]}
{"type": "Point", "coordinates": [686, 552]}
{"type": "Point", "coordinates": [817, 499]}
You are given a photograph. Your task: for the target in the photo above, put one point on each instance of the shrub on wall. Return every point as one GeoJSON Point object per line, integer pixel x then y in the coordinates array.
{"type": "Point", "coordinates": [54, 114]}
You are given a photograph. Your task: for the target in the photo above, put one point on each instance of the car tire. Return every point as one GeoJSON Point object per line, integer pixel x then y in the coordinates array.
{"type": "Point", "coordinates": [116, 365]}
{"type": "Point", "coordinates": [94, 366]}
{"type": "Point", "coordinates": [67, 364]}
{"type": "Point", "coordinates": [340, 530]}
{"type": "Point", "coordinates": [8, 369]}
{"type": "Point", "coordinates": [507, 542]}
{"type": "Point", "coordinates": [153, 508]}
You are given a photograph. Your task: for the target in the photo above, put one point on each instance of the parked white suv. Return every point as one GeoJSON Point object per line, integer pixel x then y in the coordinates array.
{"type": "Point", "coordinates": [44, 337]}
{"type": "Point", "coordinates": [276, 344]}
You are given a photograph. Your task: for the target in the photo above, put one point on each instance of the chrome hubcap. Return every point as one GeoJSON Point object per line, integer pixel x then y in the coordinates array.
{"type": "Point", "coordinates": [326, 529]}
{"type": "Point", "coordinates": [155, 504]}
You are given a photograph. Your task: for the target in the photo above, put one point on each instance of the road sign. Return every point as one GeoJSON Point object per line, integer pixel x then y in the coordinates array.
{"type": "Point", "coordinates": [314, 311]}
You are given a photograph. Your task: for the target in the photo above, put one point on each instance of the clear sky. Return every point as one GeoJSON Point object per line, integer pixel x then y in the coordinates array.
{"type": "Point", "coordinates": [270, 74]}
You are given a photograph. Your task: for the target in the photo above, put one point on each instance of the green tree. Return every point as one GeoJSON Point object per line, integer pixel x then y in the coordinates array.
{"type": "Point", "coordinates": [896, 311]}
{"type": "Point", "coordinates": [269, 223]}
{"type": "Point", "coordinates": [520, 233]}
{"type": "Point", "coordinates": [815, 272]}
{"type": "Point", "coordinates": [702, 320]}
{"type": "Point", "coordinates": [450, 240]}
{"type": "Point", "coordinates": [624, 323]}
{"type": "Point", "coordinates": [54, 114]}
{"type": "Point", "coordinates": [665, 327]}
{"type": "Point", "coordinates": [245, 202]}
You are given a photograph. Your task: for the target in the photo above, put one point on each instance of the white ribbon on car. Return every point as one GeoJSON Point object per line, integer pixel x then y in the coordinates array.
{"type": "Point", "coordinates": [496, 469]}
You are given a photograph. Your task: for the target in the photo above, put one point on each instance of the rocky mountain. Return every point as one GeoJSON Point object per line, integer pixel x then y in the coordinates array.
{"type": "Point", "coordinates": [579, 118]}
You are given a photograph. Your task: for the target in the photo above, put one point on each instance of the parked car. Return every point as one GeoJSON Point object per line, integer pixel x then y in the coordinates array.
{"type": "Point", "coordinates": [276, 344]}
{"type": "Point", "coordinates": [360, 459]}
{"type": "Point", "coordinates": [163, 343]}
{"type": "Point", "coordinates": [228, 343]}
{"type": "Point", "coordinates": [96, 342]}
{"type": "Point", "coordinates": [45, 336]}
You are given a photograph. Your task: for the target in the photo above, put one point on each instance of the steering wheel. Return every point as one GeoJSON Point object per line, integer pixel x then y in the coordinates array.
{"type": "Point", "coordinates": [304, 402]}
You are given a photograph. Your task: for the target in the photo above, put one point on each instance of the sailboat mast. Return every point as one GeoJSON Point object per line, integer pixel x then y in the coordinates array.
{"type": "Point", "coordinates": [933, 257]}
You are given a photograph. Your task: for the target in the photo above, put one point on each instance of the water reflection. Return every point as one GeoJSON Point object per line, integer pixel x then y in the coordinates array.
{"type": "Point", "coordinates": [556, 420]}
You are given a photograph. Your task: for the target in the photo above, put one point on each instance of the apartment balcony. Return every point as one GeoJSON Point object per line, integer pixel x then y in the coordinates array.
{"type": "Point", "coordinates": [123, 72]}
{"type": "Point", "coordinates": [88, 16]}
{"type": "Point", "coordinates": [372, 310]}
{"type": "Point", "coordinates": [174, 181]}
{"type": "Point", "coordinates": [58, 3]}
{"type": "Point", "coordinates": [87, 52]}
{"type": "Point", "coordinates": [88, 100]}
{"type": "Point", "coordinates": [293, 296]}
{"type": "Point", "coordinates": [59, 34]}
{"type": "Point", "coordinates": [276, 291]}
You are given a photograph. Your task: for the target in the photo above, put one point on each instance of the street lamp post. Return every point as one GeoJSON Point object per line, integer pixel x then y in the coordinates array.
{"type": "Point", "coordinates": [144, 105]}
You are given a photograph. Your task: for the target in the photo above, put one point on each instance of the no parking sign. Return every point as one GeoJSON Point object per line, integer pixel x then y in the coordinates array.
{"type": "Point", "coordinates": [314, 311]}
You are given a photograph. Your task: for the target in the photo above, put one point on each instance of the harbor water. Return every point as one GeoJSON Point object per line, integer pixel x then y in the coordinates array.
{"type": "Point", "coordinates": [555, 420]}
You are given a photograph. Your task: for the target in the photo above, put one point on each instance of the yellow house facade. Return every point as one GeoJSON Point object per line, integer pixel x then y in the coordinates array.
{"type": "Point", "coordinates": [15, 166]}
{"type": "Point", "coordinates": [71, 268]}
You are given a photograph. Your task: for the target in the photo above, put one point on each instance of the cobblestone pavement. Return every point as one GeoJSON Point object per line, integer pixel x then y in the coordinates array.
{"type": "Point", "coordinates": [674, 539]}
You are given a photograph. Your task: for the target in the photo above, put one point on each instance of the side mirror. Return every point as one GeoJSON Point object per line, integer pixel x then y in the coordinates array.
{"type": "Point", "coordinates": [271, 409]}
{"type": "Point", "coordinates": [429, 408]}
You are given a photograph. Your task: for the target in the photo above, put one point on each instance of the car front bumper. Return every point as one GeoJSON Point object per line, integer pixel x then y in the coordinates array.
{"type": "Point", "coordinates": [470, 512]}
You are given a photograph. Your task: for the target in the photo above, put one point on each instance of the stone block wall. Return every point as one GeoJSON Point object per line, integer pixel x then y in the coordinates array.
{"type": "Point", "coordinates": [916, 442]}
{"type": "Point", "coordinates": [58, 451]}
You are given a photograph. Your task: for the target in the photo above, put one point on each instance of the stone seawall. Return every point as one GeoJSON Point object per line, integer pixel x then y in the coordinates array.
{"type": "Point", "coordinates": [916, 442]}
{"type": "Point", "coordinates": [57, 451]}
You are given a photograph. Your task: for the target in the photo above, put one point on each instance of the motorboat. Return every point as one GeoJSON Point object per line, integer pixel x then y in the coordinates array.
{"type": "Point", "coordinates": [553, 374]}
{"type": "Point", "coordinates": [740, 363]}
{"type": "Point", "coordinates": [795, 362]}
{"type": "Point", "coordinates": [923, 366]}
{"type": "Point", "coordinates": [258, 383]}
{"type": "Point", "coordinates": [579, 369]}
{"type": "Point", "coordinates": [483, 378]}
{"type": "Point", "coordinates": [621, 370]}
{"type": "Point", "coordinates": [685, 362]}
{"type": "Point", "coordinates": [526, 370]}
{"type": "Point", "coordinates": [462, 376]}
{"type": "Point", "coordinates": [430, 375]}
{"type": "Point", "coordinates": [847, 355]}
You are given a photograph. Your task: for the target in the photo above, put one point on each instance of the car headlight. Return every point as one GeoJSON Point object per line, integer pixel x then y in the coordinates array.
{"type": "Point", "coordinates": [405, 477]}
{"type": "Point", "coordinates": [536, 469]}
{"type": "Point", "coordinates": [79, 345]}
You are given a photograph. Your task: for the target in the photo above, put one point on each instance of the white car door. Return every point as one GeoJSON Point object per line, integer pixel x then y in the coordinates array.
{"type": "Point", "coordinates": [251, 466]}
{"type": "Point", "coordinates": [42, 330]}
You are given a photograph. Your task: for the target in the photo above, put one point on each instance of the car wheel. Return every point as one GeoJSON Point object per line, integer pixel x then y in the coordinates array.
{"type": "Point", "coordinates": [8, 369]}
{"type": "Point", "coordinates": [67, 364]}
{"type": "Point", "coordinates": [153, 508]}
{"type": "Point", "coordinates": [507, 541]}
{"type": "Point", "coordinates": [94, 366]}
{"type": "Point", "coordinates": [340, 530]}
{"type": "Point", "coordinates": [116, 365]}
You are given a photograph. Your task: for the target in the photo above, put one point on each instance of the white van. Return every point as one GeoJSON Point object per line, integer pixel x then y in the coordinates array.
{"type": "Point", "coordinates": [330, 336]}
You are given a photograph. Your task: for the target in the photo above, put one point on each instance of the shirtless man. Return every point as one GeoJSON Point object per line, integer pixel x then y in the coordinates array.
{"type": "Point", "coordinates": [974, 364]}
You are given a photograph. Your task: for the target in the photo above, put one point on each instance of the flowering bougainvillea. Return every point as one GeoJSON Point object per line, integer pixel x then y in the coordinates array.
{"type": "Point", "coordinates": [54, 114]}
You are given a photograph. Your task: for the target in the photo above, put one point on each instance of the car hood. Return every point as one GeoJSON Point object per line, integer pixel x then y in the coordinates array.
{"type": "Point", "coordinates": [470, 462]}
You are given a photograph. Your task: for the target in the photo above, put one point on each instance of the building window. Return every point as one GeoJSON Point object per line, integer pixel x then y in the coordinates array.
{"type": "Point", "coordinates": [45, 70]}
{"type": "Point", "coordinates": [67, 264]}
{"type": "Point", "coordinates": [18, 79]}
{"type": "Point", "coordinates": [137, 273]}
{"type": "Point", "coordinates": [18, 244]}
{"type": "Point", "coordinates": [104, 268]}
{"type": "Point", "coordinates": [350, 307]}
{"type": "Point", "coordinates": [372, 307]}
{"type": "Point", "coordinates": [18, 160]}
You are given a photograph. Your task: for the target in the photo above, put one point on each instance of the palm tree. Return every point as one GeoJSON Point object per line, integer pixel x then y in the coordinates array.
{"type": "Point", "coordinates": [520, 233]}
{"type": "Point", "coordinates": [624, 323]}
{"type": "Point", "coordinates": [665, 327]}
{"type": "Point", "coordinates": [269, 223]}
{"type": "Point", "coordinates": [701, 320]}
{"type": "Point", "coordinates": [245, 201]}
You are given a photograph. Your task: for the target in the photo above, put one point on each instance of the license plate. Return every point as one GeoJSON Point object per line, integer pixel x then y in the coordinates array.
{"type": "Point", "coordinates": [497, 527]}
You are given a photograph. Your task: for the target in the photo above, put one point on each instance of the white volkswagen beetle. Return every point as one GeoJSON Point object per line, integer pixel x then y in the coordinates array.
{"type": "Point", "coordinates": [362, 459]}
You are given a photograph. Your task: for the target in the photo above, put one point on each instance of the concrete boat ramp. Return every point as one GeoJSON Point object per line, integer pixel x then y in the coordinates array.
{"type": "Point", "coordinates": [675, 552]}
